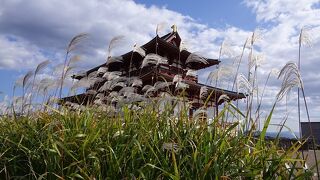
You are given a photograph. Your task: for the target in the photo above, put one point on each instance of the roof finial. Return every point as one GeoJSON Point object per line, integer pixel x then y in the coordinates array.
{"type": "Point", "coordinates": [174, 28]}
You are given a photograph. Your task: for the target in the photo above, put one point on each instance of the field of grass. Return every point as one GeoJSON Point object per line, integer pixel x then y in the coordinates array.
{"type": "Point", "coordinates": [143, 144]}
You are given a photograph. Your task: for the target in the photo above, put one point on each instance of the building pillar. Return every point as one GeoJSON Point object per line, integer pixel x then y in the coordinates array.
{"type": "Point", "coordinates": [190, 113]}
{"type": "Point", "coordinates": [216, 109]}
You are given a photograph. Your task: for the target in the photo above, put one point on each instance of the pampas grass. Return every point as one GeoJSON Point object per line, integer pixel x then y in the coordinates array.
{"type": "Point", "coordinates": [239, 63]}
{"type": "Point", "coordinates": [25, 84]}
{"type": "Point", "coordinates": [127, 135]}
{"type": "Point", "coordinates": [196, 58]}
{"type": "Point", "coordinates": [38, 69]}
{"type": "Point", "coordinates": [66, 65]}
{"type": "Point", "coordinates": [160, 27]}
{"type": "Point", "coordinates": [139, 50]}
{"type": "Point", "coordinates": [153, 59]}
{"type": "Point", "coordinates": [291, 77]}
{"type": "Point", "coordinates": [113, 43]}
{"type": "Point", "coordinates": [243, 82]}
{"type": "Point", "coordinates": [305, 39]}
{"type": "Point", "coordinates": [221, 73]}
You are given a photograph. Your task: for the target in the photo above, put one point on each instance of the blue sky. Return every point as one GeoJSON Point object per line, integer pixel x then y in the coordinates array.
{"type": "Point", "coordinates": [40, 30]}
{"type": "Point", "coordinates": [217, 14]}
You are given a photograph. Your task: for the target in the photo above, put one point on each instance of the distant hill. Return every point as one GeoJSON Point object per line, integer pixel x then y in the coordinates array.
{"type": "Point", "coordinates": [283, 134]}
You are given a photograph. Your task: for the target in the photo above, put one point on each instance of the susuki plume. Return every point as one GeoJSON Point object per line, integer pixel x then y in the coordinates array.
{"type": "Point", "coordinates": [221, 72]}
{"type": "Point", "coordinates": [127, 90]}
{"type": "Point", "coordinates": [41, 66]}
{"type": "Point", "coordinates": [75, 41]}
{"type": "Point", "coordinates": [73, 60]}
{"type": "Point", "coordinates": [102, 70]}
{"type": "Point", "coordinates": [116, 59]}
{"type": "Point", "coordinates": [84, 82]}
{"type": "Point", "coordinates": [256, 36]}
{"type": "Point", "coordinates": [91, 92]}
{"type": "Point", "coordinates": [113, 43]}
{"type": "Point", "coordinates": [201, 112]}
{"type": "Point", "coordinates": [192, 73]}
{"type": "Point", "coordinates": [160, 26]}
{"type": "Point", "coordinates": [146, 87]}
{"type": "Point", "coordinates": [183, 46]}
{"type": "Point", "coordinates": [291, 77]}
{"type": "Point", "coordinates": [161, 85]}
{"type": "Point", "coordinates": [256, 60]}
{"type": "Point", "coordinates": [196, 58]}
{"type": "Point", "coordinates": [136, 82]}
{"type": "Point", "coordinates": [304, 37]}
{"type": "Point", "coordinates": [112, 75]}
{"type": "Point", "coordinates": [153, 59]}
{"type": "Point", "coordinates": [203, 91]}
{"type": "Point", "coordinates": [150, 90]}
{"type": "Point", "coordinates": [177, 78]}
{"type": "Point", "coordinates": [26, 78]}
{"type": "Point", "coordinates": [66, 65]}
{"type": "Point", "coordinates": [181, 85]}
{"type": "Point", "coordinates": [242, 82]}
{"type": "Point", "coordinates": [139, 50]}
{"type": "Point", "coordinates": [226, 49]}
{"type": "Point", "coordinates": [275, 72]}
{"type": "Point", "coordinates": [170, 147]}
{"type": "Point", "coordinates": [47, 84]}
{"type": "Point", "coordinates": [224, 97]}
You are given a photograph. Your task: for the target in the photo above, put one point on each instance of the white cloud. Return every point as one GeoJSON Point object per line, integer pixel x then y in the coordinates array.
{"type": "Point", "coordinates": [50, 25]}
{"type": "Point", "coordinates": [18, 54]}
{"type": "Point", "coordinates": [279, 11]}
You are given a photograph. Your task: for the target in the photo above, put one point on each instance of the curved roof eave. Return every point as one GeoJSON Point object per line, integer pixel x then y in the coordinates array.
{"type": "Point", "coordinates": [184, 53]}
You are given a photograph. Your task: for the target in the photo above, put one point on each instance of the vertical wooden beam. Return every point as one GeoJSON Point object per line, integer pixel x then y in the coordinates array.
{"type": "Point", "coordinates": [190, 113]}
{"type": "Point", "coordinates": [217, 108]}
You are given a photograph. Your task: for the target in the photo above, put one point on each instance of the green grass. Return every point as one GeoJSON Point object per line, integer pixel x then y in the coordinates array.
{"type": "Point", "coordinates": [139, 145]}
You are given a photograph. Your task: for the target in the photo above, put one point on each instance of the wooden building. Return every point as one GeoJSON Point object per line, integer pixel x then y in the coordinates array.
{"type": "Point", "coordinates": [159, 66]}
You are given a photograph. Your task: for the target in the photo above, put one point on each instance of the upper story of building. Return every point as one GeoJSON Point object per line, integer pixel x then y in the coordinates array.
{"type": "Point", "coordinates": [164, 55]}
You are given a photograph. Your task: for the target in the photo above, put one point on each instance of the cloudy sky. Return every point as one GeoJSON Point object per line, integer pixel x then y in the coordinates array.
{"type": "Point", "coordinates": [32, 31]}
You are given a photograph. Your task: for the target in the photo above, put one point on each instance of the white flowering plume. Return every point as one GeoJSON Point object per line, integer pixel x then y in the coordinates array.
{"type": "Point", "coordinates": [291, 77]}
